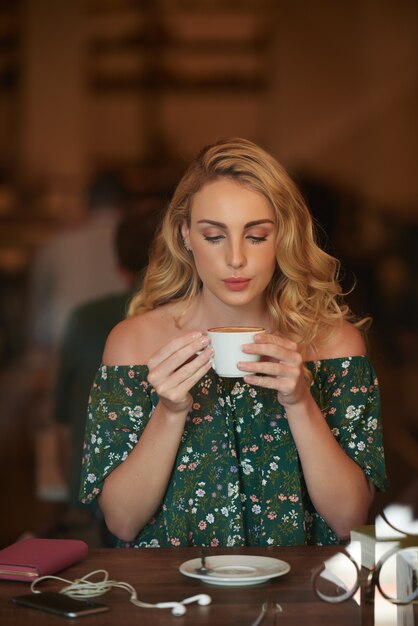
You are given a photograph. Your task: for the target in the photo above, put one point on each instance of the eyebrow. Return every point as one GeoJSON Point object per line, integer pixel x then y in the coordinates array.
{"type": "Point", "coordinates": [247, 225]}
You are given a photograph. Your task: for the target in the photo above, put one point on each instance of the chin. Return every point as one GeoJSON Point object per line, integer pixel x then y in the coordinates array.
{"type": "Point", "coordinates": [238, 299]}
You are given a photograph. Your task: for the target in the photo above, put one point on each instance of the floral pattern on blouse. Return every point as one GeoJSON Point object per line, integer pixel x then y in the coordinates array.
{"type": "Point", "coordinates": [237, 479]}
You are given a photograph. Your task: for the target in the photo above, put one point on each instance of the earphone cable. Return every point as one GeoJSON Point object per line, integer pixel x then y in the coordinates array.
{"type": "Point", "coordinates": [82, 588]}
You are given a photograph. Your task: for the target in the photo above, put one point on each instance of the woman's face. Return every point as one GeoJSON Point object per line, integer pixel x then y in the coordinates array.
{"type": "Point", "coordinates": [232, 236]}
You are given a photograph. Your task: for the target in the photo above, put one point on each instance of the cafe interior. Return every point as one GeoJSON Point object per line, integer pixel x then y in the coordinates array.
{"type": "Point", "coordinates": [137, 87]}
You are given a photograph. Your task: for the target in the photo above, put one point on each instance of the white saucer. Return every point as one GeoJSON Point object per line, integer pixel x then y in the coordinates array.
{"type": "Point", "coordinates": [236, 570]}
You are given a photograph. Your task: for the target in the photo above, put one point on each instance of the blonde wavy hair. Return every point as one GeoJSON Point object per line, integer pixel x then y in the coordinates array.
{"type": "Point", "coordinates": [304, 296]}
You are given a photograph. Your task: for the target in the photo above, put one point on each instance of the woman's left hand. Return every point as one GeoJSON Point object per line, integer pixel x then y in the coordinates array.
{"type": "Point", "coordinates": [281, 366]}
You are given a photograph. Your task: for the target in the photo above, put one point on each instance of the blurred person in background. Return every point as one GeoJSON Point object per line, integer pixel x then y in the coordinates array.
{"type": "Point", "coordinates": [82, 347]}
{"type": "Point", "coordinates": [78, 264]}
{"type": "Point", "coordinates": [74, 266]}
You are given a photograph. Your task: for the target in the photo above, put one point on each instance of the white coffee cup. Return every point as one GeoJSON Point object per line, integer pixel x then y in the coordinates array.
{"type": "Point", "coordinates": [227, 342]}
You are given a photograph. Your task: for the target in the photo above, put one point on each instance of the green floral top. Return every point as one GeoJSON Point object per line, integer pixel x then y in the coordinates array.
{"type": "Point", "coordinates": [237, 478]}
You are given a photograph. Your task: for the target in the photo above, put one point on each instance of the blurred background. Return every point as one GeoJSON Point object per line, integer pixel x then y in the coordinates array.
{"type": "Point", "coordinates": [133, 88]}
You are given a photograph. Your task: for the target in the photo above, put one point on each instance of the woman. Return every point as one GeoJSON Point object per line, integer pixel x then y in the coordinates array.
{"type": "Point", "coordinates": [291, 453]}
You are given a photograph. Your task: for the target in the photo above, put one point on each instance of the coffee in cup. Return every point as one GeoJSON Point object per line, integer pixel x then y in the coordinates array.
{"type": "Point", "coordinates": [227, 342]}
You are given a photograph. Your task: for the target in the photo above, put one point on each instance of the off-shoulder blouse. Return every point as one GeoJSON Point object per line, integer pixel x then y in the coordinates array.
{"type": "Point", "coordinates": [237, 478]}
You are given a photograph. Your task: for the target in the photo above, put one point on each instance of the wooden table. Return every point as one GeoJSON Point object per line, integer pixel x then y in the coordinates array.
{"type": "Point", "coordinates": [155, 576]}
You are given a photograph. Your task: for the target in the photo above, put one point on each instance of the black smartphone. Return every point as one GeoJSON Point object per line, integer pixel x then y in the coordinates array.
{"type": "Point", "coordinates": [60, 604]}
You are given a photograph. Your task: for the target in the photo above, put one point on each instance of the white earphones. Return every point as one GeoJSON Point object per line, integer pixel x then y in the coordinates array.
{"type": "Point", "coordinates": [85, 588]}
{"type": "Point", "coordinates": [178, 608]}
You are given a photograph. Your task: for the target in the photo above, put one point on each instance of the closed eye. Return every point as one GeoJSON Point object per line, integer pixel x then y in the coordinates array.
{"type": "Point", "coordinates": [255, 239]}
{"type": "Point", "coordinates": [214, 239]}
{"type": "Point", "coordinates": [217, 238]}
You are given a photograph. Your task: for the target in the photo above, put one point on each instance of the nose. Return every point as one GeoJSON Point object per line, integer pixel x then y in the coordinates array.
{"type": "Point", "coordinates": [236, 255]}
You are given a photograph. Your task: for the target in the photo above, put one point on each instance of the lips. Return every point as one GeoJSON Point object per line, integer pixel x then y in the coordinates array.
{"type": "Point", "coordinates": [236, 284]}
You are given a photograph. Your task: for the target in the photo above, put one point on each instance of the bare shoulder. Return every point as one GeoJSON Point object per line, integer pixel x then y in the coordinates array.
{"type": "Point", "coordinates": [135, 339]}
{"type": "Point", "coordinates": [346, 340]}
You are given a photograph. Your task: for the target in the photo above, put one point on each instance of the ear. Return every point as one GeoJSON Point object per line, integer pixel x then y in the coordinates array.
{"type": "Point", "coordinates": [185, 233]}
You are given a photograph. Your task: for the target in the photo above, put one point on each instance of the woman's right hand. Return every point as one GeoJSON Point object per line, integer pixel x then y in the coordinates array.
{"type": "Point", "coordinates": [175, 368]}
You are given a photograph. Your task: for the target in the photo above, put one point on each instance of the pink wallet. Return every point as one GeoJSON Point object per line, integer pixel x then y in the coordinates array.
{"type": "Point", "coordinates": [32, 558]}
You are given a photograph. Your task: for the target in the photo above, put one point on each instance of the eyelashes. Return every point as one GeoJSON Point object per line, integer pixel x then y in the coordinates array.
{"type": "Point", "coordinates": [218, 238]}
{"type": "Point", "coordinates": [257, 240]}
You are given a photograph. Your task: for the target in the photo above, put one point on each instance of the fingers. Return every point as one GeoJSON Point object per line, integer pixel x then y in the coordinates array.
{"type": "Point", "coordinates": [280, 368]}
{"type": "Point", "coordinates": [287, 380]}
{"type": "Point", "coordinates": [175, 368]}
{"type": "Point", "coordinates": [274, 347]}
{"type": "Point", "coordinates": [174, 391]}
{"type": "Point", "coordinates": [187, 374]}
{"type": "Point", "coordinates": [276, 338]}
{"type": "Point", "coordinates": [181, 348]}
{"type": "Point", "coordinates": [272, 375]}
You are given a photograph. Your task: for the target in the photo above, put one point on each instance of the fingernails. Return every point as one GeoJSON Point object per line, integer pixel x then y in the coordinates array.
{"type": "Point", "coordinates": [208, 352]}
